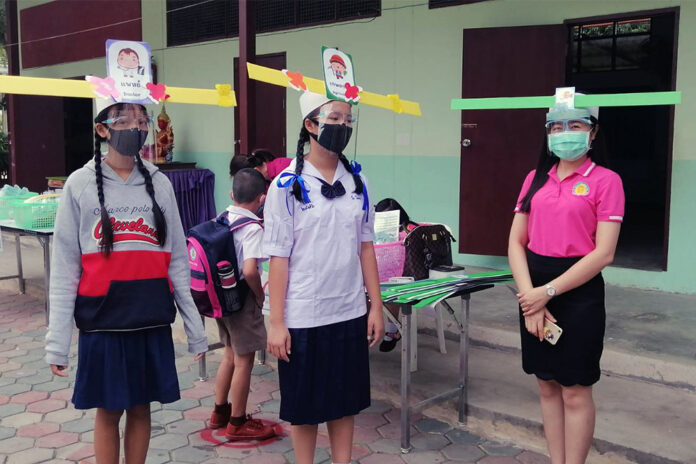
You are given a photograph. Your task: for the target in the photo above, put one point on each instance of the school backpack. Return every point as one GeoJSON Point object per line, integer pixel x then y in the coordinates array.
{"type": "Point", "coordinates": [215, 284]}
{"type": "Point", "coordinates": [427, 246]}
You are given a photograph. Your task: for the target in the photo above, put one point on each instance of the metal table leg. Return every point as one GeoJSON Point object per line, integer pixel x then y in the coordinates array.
{"type": "Point", "coordinates": [46, 245]}
{"type": "Point", "coordinates": [261, 357]}
{"type": "Point", "coordinates": [20, 274]}
{"type": "Point", "coordinates": [405, 378]}
{"type": "Point", "coordinates": [464, 358]}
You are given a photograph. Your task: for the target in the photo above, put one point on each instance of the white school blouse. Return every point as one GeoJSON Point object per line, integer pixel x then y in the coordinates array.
{"type": "Point", "coordinates": [322, 238]}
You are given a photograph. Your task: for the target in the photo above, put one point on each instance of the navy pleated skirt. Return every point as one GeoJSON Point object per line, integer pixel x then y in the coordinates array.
{"type": "Point", "coordinates": [328, 376]}
{"type": "Point", "coordinates": [119, 370]}
{"type": "Point", "coordinates": [580, 312]}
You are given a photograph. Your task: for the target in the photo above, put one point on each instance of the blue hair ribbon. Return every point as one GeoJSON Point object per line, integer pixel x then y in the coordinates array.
{"type": "Point", "coordinates": [292, 177]}
{"type": "Point", "coordinates": [357, 169]}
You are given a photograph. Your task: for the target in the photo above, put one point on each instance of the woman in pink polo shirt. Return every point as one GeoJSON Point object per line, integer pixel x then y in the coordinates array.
{"type": "Point", "coordinates": [564, 232]}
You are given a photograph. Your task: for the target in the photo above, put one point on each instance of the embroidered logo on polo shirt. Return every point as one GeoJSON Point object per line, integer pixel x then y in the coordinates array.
{"type": "Point", "coordinates": [581, 189]}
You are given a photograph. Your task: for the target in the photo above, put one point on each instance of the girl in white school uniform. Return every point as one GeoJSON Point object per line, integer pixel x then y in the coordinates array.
{"type": "Point", "coordinates": [318, 234]}
{"type": "Point", "coordinates": [564, 233]}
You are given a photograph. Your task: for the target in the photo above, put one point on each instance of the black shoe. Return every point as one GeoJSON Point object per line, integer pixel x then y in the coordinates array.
{"type": "Point", "coordinates": [387, 345]}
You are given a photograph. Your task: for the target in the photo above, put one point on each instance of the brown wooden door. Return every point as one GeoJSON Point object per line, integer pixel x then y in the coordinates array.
{"type": "Point", "coordinates": [504, 144]}
{"type": "Point", "coordinates": [268, 110]}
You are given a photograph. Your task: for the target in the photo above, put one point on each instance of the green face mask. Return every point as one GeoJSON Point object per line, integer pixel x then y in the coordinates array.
{"type": "Point", "coordinates": [569, 145]}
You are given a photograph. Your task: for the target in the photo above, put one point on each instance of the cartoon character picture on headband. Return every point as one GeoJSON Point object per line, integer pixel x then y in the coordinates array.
{"type": "Point", "coordinates": [338, 66]}
{"type": "Point", "coordinates": [339, 75]}
{"type": "Point", "coordinates": [128, 64]}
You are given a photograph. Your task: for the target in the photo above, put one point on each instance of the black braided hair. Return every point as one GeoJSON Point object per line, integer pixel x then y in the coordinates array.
{"type": "Point", "coordinates": [107, 242]}
{"type": "Point", "coordinates": [299, 162]}
{"type": "Point", "coordinates": [356, 177]}
{"type": "Point", "coordinates": [160, 221]}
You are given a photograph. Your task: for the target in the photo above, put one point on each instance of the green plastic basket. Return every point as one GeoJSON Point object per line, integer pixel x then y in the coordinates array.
{"type": "Point", "coordinates": [8, 202]}
{"type": "Point", "coordinates": [35, 215]}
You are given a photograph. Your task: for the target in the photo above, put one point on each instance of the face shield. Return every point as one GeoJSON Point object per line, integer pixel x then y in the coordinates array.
{"type": "Point", "coordinates": [129, 129]}
{"type": "Point", "coordinates": [337, 124]}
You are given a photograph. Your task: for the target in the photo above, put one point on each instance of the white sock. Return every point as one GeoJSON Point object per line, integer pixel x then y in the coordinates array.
{"type": "Point", "coordinates": [390, 327]}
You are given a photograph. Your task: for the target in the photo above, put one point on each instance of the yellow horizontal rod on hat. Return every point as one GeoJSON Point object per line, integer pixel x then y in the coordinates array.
{"type": "Point", "coordinates": [222, 95]}
{"type": "Point", "coordinates": [276, 77]}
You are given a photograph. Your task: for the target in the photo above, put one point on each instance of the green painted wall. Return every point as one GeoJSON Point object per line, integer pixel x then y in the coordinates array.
{"type": "Point", "coordinates": [417, 53]}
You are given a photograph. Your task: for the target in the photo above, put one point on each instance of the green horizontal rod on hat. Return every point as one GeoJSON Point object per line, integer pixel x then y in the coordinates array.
{"type": "Point", "coordinates": [581, 101]}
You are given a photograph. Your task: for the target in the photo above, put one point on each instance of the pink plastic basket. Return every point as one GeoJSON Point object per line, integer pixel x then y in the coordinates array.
{"type": "Point", "coordinates": [391, 258]}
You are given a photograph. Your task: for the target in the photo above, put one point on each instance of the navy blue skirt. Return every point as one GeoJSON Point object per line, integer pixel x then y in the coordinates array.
{"type": "Point", "coordinates": [119, 370]}
{"type": "Point", "coordinates": [328, 376]}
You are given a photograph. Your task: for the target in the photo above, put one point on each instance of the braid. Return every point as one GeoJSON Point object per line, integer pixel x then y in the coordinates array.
{"type": "Point", "coordinates": [299, 162]}
{"type": "Point", "coordinates": [160, 221]}
{"type": "Point", "coordinates": [356, 177]}
{"type": "Point", "coordinates": [107, 243]}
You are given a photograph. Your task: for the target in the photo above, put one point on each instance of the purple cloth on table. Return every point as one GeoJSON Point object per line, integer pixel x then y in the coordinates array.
{"type": "Point", "coordinates": [193, 189]}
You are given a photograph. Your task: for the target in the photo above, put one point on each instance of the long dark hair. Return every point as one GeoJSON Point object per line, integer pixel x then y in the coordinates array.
{"type": "Point", "coordinates": [390, 204]}
{"type": "Point", "coordinates": [107, 243]}
{"type": "Point", "coordinates": [256, 159]}
{"type": "Point", "coordinates": [299, 160]}
{"type": "Point", "coordinates": [259, 156]}
{"type": "Point", "coordinates": [598, 154]}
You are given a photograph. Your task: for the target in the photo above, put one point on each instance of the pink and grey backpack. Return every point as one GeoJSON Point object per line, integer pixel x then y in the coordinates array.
{"type": "Point", "coordinates": [216, 286]}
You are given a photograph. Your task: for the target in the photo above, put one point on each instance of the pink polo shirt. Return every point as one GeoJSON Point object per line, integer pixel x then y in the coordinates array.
{"type": "Point", "coordinates": [564, 214]}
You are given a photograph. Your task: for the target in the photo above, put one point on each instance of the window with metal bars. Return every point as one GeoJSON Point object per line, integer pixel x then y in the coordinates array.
{"type": "Point", "coordinates": [611, 45]}
{"type": "Point", "coordinates": [191, 21]}
{"type": "Point", "coordinates": [442, 3]}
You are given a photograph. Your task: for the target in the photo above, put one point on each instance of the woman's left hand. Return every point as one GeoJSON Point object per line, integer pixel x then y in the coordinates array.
{"type": "Point", "coordinates": [533, 301]}
{"type": "Point", "coordinates": [375, 326]}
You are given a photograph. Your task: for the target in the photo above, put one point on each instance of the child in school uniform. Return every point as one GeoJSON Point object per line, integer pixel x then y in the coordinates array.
{"type": "Point", "coordinates": [119, 264]}
{"type": "Point", "coordinates": [243, 333]}
{"type": "Point", "coordinates": [319, 232]}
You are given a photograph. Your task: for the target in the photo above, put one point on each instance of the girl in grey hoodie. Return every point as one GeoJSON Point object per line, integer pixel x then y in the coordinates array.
{"type": "Point", "coordinates": [119, 265]}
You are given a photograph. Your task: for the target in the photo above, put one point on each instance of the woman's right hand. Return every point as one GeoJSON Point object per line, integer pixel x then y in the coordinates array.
{"type": "Point", "coordinates": [535, 323]}
{"type": "Point", "coordinates": [279, 341]}
{"type": "Point", "coordinates": [58, 370]}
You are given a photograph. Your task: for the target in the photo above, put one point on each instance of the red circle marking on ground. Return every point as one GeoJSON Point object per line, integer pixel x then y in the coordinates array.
{"type": "Point", "coordinates": [217, 437]}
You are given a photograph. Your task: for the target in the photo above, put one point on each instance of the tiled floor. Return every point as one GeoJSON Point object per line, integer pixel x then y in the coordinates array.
{"type": "Point", "coordinates": [39, 424]}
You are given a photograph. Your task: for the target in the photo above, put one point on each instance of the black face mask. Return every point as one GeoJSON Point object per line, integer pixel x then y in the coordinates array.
{"type": "Point", "coordinates": [333, 137]}
{"type": "Point", "coordinates": [127, 142]}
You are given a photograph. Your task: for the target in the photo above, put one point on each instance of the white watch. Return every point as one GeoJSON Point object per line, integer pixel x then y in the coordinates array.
{"type": "Point", "coordinates": [550, 290]}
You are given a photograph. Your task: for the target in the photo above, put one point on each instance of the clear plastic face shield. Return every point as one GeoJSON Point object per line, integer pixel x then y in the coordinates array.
{"type": "Point", "coordinates": [128, 117]}
{"type": "Point", "coordinates": [337, 124]}
{"type": "Point", "coordinates": [569, 125]}
{"type": "Point", "coordinates": [134, 128]}
{"type": "Point", "coordinates": [569, 132]}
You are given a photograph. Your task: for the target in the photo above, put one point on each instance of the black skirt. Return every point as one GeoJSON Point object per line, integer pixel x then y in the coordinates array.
{"type": "Point", "coordinates": [328, 376]}
{"type": "Point", "coordinates": [580, 312]}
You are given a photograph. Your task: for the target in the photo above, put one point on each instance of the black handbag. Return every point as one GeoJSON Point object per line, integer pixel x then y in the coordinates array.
{"type": "Point", "coordinates": [426, 247]}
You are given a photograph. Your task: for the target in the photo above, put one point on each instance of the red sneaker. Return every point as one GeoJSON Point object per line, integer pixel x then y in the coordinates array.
{"type": "Point", "coordinates": [219, 419]}
{"type": "Point", "coordinates": [252, 429]}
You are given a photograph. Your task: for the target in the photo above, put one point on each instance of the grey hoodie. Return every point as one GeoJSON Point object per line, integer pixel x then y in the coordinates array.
{"type": "Point", "coordinates": [136, 286]}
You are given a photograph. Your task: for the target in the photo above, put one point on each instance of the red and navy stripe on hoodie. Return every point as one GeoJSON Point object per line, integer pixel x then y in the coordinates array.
{"type": "Point", "coordinates": [128, 289]}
